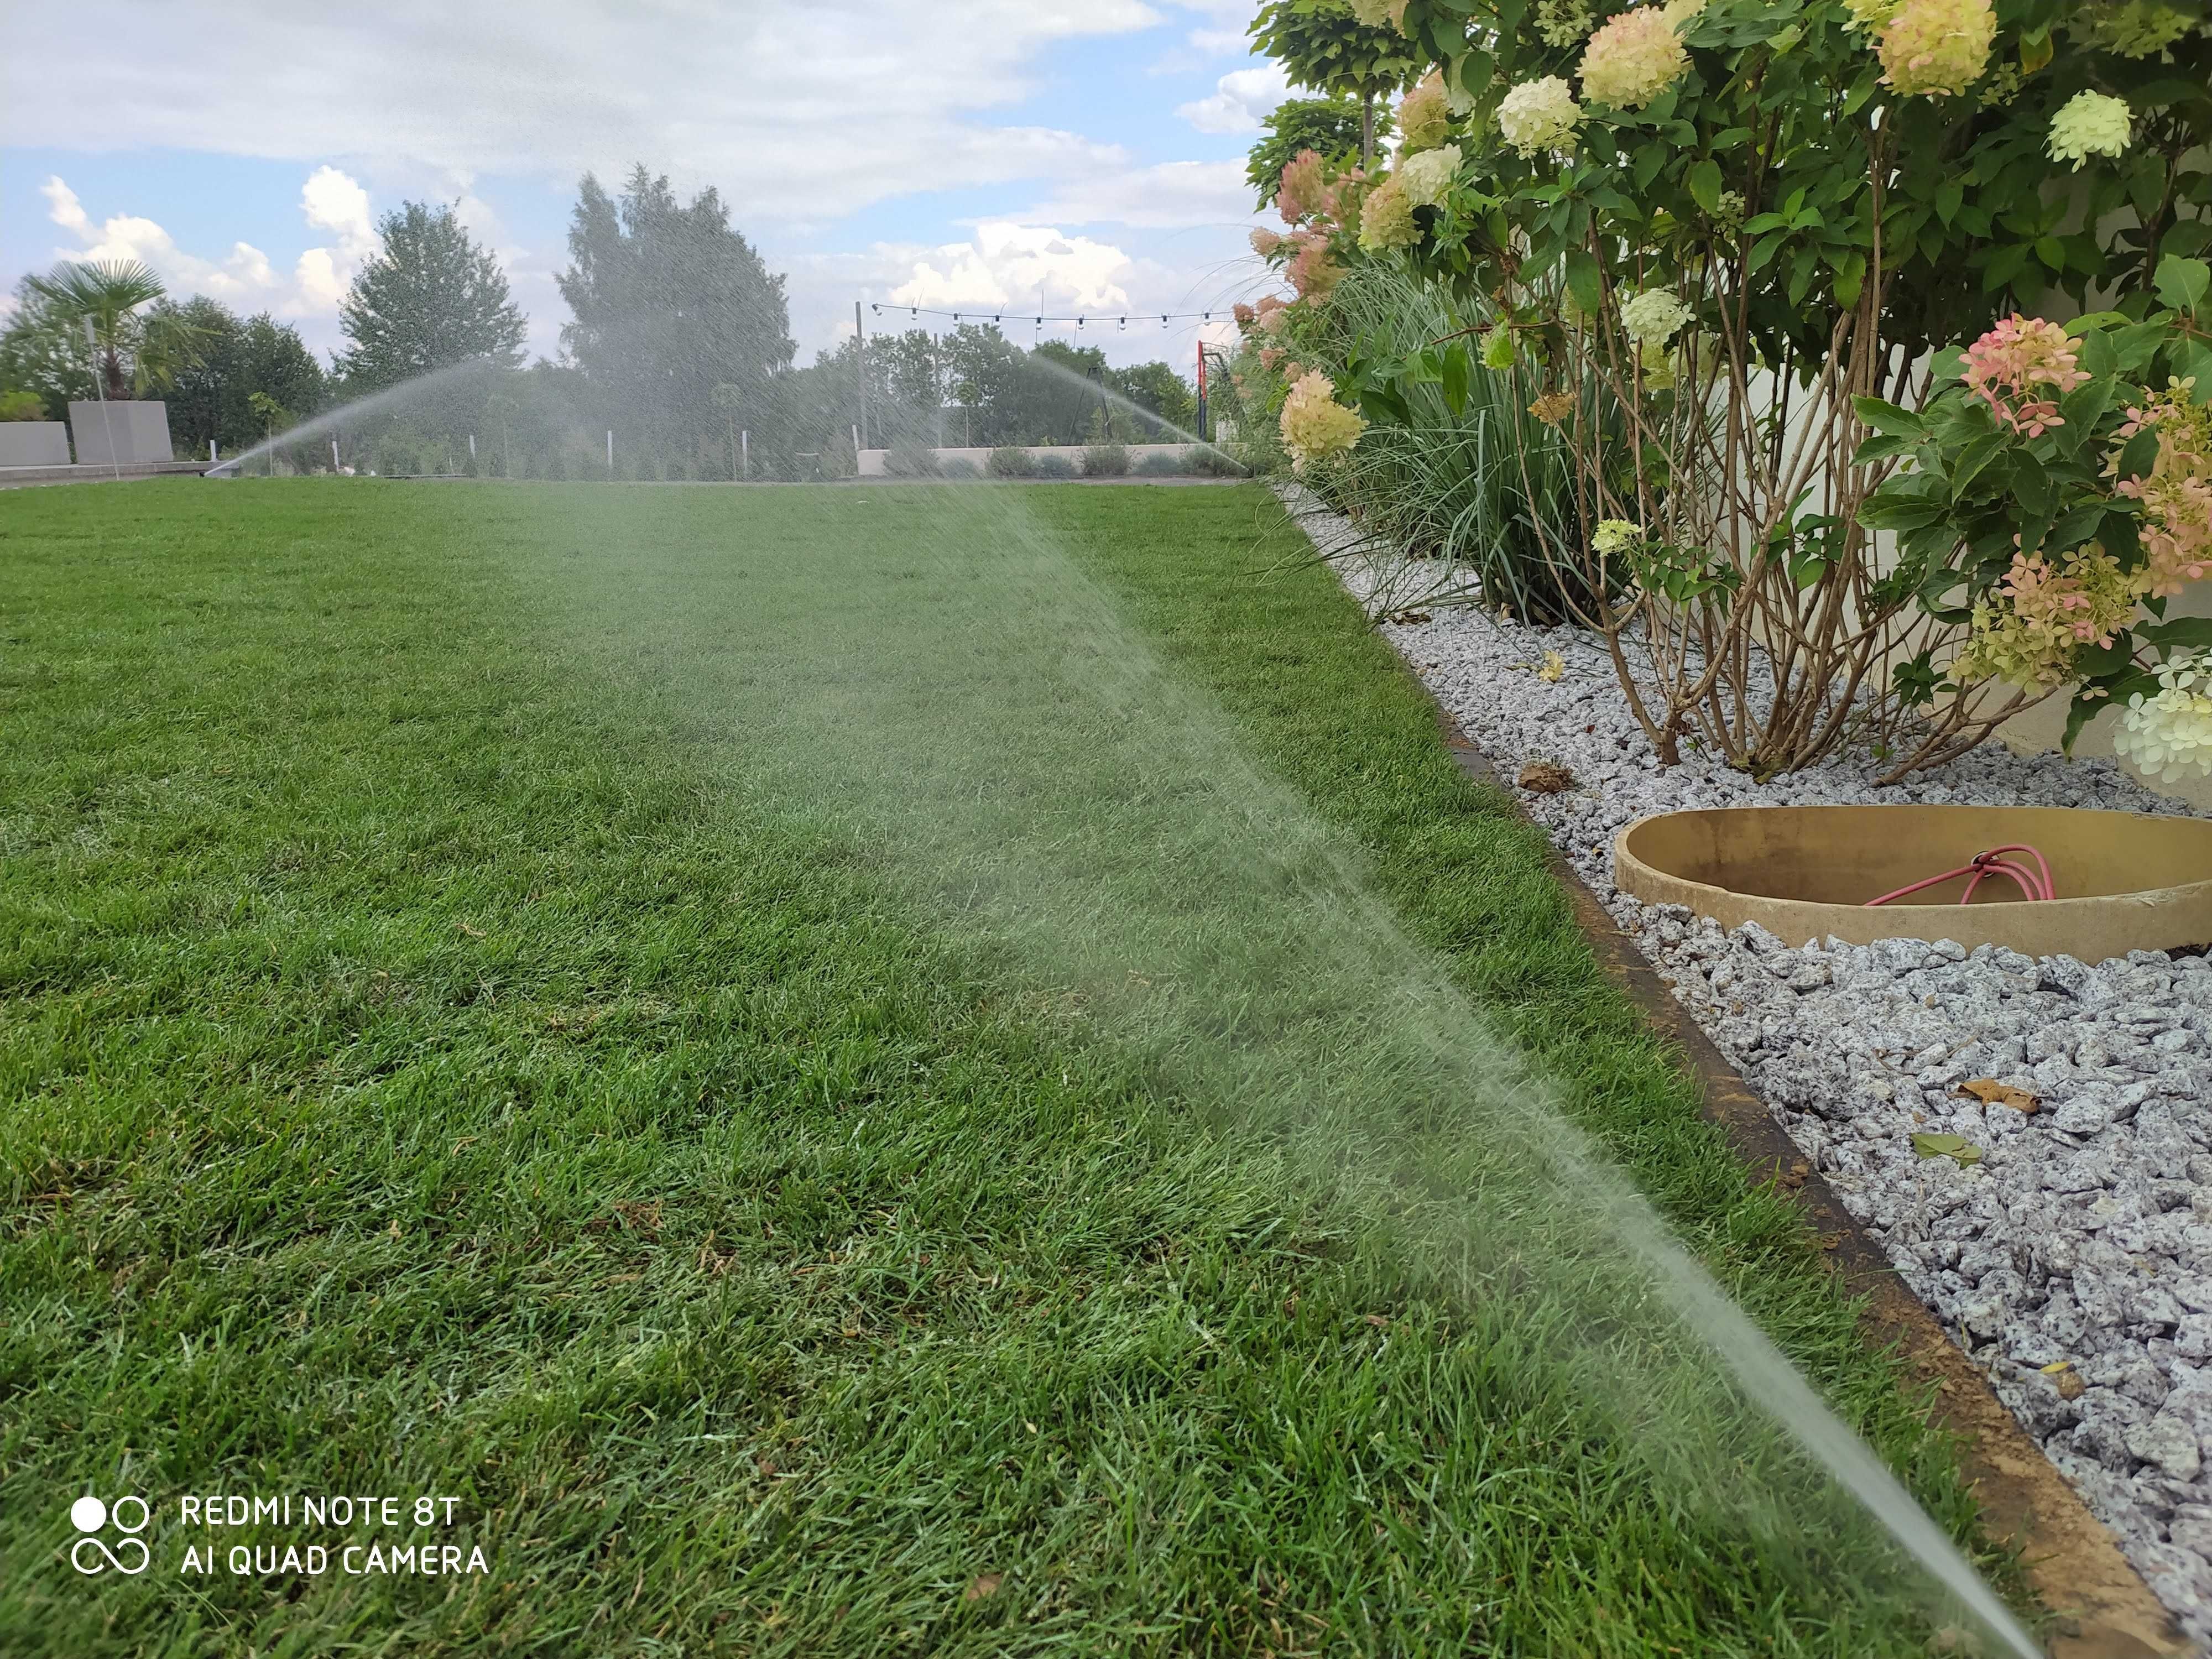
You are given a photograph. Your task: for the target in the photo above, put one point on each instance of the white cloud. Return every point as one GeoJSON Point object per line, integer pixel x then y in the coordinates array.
{"type": "Point", "coordinates": [1220, 43]}
{"type": "Point", "coordinates": [1170, 195]}
{"type": "Point", "coordinates": [1240, 100]}
{"type": "Point", "coordinates": [1017, 267]}
{"type": "Point", "coordinates": [244, 278]}
{"type": "Point", "coordinates": [333, 201]}
{"type": "Point", "coordinates": [801, 109]}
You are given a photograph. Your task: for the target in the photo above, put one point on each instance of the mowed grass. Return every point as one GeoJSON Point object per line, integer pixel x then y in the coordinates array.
{"type": "Point", "coordinates": [422, 1072]}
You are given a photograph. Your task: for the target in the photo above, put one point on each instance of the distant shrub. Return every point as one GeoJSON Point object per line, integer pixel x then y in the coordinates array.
{"type": "Point", "coordinates": [1212, 462]}
{"type": "Point", "coordinates": [959, 466]}
{"type": "Point", "coordinates": [1013, 461]}
{"type": "Point", "coordinates": [1105, 461]}
{"type": "Point", "coordinates": [1053, 466]}
{"type": "Point", "coordinates": [1160, 465]}
{"type": "Point", "coordinates": [21, 406]}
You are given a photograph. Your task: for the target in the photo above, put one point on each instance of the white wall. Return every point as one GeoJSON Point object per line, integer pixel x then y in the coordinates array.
{"type": "Point", "coordinates": [873, 461]}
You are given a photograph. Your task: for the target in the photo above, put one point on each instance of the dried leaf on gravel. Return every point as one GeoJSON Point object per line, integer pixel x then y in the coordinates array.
{"type": "Point", "coordinates": [1990, 1092]}
{"type": "Point", "coordinates": [1554, 669]}
{"type": "Point", "coordinates": [1543, 777]}
{"type": "Point", "coordinates": [1957, 1148]}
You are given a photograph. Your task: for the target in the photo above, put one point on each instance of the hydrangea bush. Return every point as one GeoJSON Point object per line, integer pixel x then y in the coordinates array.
{"type": "Point", "coordinates": [1729, 226]}
{"type": "Point", "coordinates": [2050, 501]}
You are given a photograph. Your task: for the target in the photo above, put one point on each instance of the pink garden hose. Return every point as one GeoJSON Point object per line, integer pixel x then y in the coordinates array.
{"type": "Point", "coordinates": [2034, 884]}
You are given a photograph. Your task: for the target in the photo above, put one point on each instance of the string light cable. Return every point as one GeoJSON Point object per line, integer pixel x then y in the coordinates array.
{"type": "Point", "coordinates": [1120, 320]}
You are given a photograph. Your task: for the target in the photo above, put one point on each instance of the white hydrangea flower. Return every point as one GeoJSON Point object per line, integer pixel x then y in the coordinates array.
{"type": "Point", "coordinates": [2169, 737]}
{"type": "Point", "coordinates": [1540, 115]}
{"type": "Point", "coordinates": [1424, 177]}
{"type": "Point", "coordinates": [1615, 536]}
{"type": "Point", "coordinates": [2090, 123]}
{"type": "Point", "coordinates": [1653, 317]}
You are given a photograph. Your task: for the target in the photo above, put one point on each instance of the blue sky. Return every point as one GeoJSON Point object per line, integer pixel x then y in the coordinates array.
{"type": "Point", "coordinates": [992, 155]}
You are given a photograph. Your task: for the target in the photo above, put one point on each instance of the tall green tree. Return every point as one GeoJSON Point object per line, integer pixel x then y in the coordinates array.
{"type": "Point", "coordinates": [430, 298]}
{"type": "Point", "coordinates": [669, 303]}
{"type": "Point", "coordinates": [1333, 128]}
{"type": "Point", "coordinates": [211, 399]}
{"type": "Point", "coordinates": [1323, 46]}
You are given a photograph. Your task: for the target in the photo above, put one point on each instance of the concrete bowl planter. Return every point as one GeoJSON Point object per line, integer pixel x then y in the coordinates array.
{"type": "Point", "coordinates": [2122, 881]}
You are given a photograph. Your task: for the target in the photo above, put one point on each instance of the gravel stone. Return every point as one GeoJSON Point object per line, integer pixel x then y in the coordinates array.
{"type": "Point", "coordinates": [2085, 1233]}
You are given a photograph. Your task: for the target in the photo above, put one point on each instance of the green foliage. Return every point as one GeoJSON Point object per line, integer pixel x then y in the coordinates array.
{"type": "Point", "coordinates": [39, 355]}
{"type": "Point", "coordinates": [1782, 113]}
{"type": "Point", "coordinates": [1322, 45]}
{"type": "Point", "coordinates": [21, 406]}
{"type": "Point", "coordinates": [429, 298]}
{"type": "Point", "coordinates": [669, 304]}
{"type": "Point", "coordinates": [1011, 461]}
{"type": "Point", "coordinates": [1330, 127]}
{"type": "Point", "coordinates": [1105, 461]}
{"type": "Point", "coordinates": [139, 350]}
{"type": "Point", "coordinates": [1973, 492]}
{"type": "Point", "coordinates": [238, 357]}
{"type": "Point", "coordinates": [1454, 468]}
{"type": "Point", "coordinates": [1772, 231]}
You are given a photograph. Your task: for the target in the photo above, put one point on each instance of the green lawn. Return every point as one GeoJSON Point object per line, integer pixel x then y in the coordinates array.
{"type": "Point", "coordinates": [823, 1059]}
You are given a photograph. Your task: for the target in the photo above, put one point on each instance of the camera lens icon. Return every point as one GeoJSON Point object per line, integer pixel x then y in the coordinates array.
{"type": "Point", "coordinates": [92, 1554]}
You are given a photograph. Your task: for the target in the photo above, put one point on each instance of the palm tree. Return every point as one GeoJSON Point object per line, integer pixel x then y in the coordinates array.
{"type": "Point", "coordinates": [136, 353]}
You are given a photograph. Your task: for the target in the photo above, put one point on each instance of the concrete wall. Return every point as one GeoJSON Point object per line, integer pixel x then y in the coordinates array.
{"type": "Point", "coordinates": [33, 443]}
{"type": "Point", "coordinates": [140, 430]}
{"type": "Point", "coordinates": [872, 461]}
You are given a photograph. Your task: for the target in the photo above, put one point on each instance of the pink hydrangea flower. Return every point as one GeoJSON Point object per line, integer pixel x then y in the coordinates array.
{"type": "Point", "coordinates": [1300, 192]}
{"type": "Point", "coordinates": [2020, 368]}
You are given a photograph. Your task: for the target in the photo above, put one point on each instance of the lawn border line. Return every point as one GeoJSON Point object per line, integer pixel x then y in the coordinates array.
{"type": "Point", "coordinates": [2103, 1609]}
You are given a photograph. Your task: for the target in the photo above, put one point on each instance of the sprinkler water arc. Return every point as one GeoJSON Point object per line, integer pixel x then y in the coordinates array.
{"type": "Point", "coordinates": [331, 419]}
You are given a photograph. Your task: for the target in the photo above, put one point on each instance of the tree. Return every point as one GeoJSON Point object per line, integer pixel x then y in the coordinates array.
{"type": "Point", "coordinates": [1334, 127]}
{"type": "Point", "coordinates": [430, 298]}
{"type": "Point", "coordinates": [1156, 387]}
{"type": "Point", "coordinates": [982, 367]}
{"type": "Point", "coordinates": [210, 400]}
{"type": "Point", "coordinates": [36, 354]}
{"type": "Point", "coordinates": [670, 303]}
{"type": "Point", "coordinates": [137, 350]}
{"type": "Point", "coordinates": [1322, 45]}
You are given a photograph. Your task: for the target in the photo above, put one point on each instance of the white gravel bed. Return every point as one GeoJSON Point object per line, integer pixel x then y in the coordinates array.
{"type": "Point", "coordinates": [2084, 1235]}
